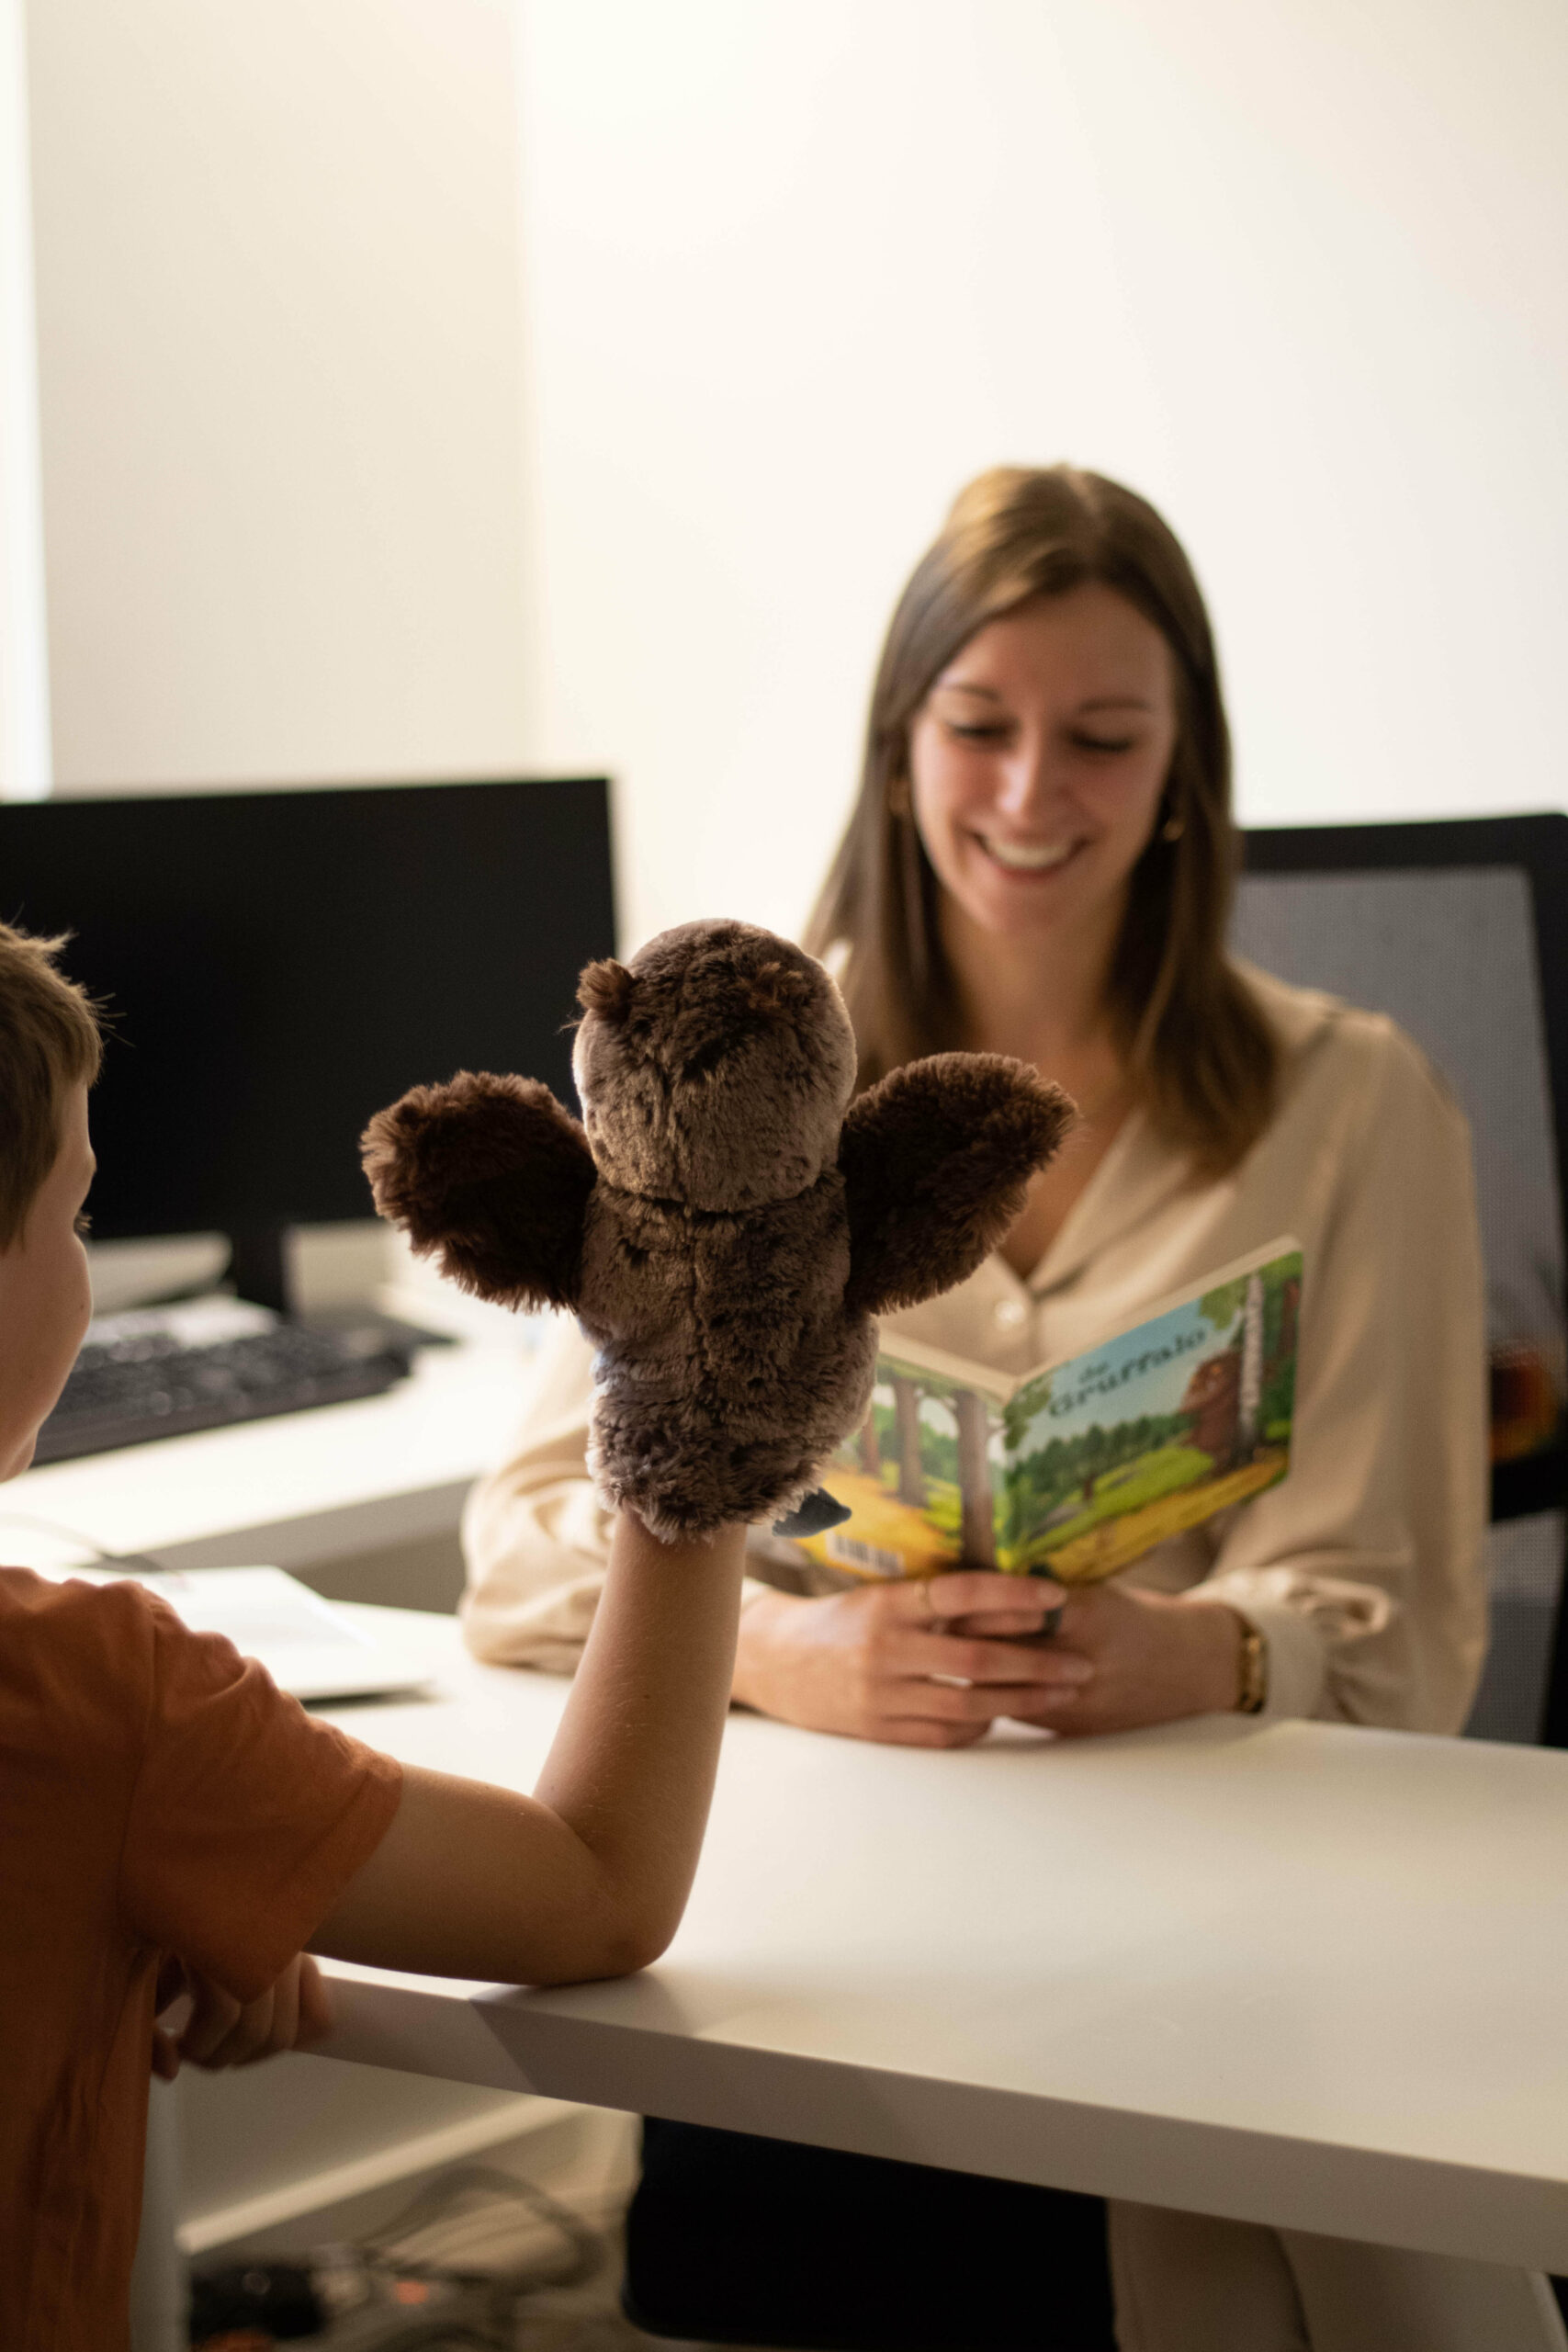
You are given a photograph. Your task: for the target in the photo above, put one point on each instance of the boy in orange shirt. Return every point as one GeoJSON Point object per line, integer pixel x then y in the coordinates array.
{"type": "Point", "coordinates": [167, 1817]}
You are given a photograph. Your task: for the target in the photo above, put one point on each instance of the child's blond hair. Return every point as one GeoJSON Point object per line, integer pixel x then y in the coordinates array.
{"type": "Point", "coordinates": [49, 1041]}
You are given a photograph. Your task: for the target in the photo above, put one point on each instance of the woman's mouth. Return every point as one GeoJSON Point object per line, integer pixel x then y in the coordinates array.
{"type": "Point", "coordinates": [1026, 857]}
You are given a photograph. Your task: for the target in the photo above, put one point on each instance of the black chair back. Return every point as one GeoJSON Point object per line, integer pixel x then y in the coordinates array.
{"type": "Point", "coordinates": [1459, 931]}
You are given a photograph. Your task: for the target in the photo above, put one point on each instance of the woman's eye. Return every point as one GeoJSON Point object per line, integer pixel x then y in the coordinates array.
{"type": "Point", "coordinates": [976, 732]}
{"type": "Point", "coordinates": [1103, 743]}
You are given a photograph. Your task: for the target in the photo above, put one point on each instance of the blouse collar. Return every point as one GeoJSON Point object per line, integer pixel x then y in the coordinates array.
{"type": "Point", "coordinates": [1141, 1171]}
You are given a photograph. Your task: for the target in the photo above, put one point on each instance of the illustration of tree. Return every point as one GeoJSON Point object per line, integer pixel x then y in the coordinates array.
{"type": "Point", "coordinates": [1094, 1459]}
{"type": "Point", "coordinates": [1249, 1395]}
{"type": "Point", "coordinates": [977, 1522]}
{"type": "Point", "coordinates": [1222, 1306]}
{"type": "Point", "coordinates": [1283, 1309]}
{"type": "Point", "coordinates": [906, 1423]}
{"type": "Point", "coordinates": [1268, 1302]}
{"type": "Point", "coordinates": [1284, 1302]}
{"type": "Point", "coordinates": [1023, 1410]}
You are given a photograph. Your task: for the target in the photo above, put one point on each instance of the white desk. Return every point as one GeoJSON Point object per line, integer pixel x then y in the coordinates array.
{"type": "Point", "coordinates": [1300, 1976]}
{"type": "Point", "coordinates": [1307, 1977]}
{"type": "Point", "coordinates": [290, 1491]}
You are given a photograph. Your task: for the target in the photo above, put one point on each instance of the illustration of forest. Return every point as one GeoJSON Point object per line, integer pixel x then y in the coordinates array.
{"type": "Point", "coordinates": [938, 1473]}
{"type": "Point", "coordinates": [1089, 1504]}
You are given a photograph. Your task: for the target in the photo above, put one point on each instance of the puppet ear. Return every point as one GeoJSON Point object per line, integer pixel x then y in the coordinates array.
{"type": "Point", "coordinates": [607, 988]}
{"type": "Point", "coordinates": [776, 991]}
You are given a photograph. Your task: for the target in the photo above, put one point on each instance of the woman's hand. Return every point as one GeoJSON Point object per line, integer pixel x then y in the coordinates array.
{"type": "Point", "coordinates": [220, 2031]}
{"type": "Point", "coordinates": [1155, 1659]}
{"type": "Point", "coordinates": [862, 1663]}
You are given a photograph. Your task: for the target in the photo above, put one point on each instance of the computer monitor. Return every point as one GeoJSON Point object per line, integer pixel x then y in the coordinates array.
{"type": "Point", "coordinates": [276, 966]}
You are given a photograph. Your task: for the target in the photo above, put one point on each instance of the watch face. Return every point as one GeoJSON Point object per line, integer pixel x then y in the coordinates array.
{"type": "Point", "coordinates": [1253, 1672]}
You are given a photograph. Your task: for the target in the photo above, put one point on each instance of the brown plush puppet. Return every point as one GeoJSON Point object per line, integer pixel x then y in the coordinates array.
{"type": "Point", "coordinates": [726, 1223]}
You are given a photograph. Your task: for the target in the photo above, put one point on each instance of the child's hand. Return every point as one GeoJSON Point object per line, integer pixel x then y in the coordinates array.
{"type": "Point", "coordinates": [220, 2031]}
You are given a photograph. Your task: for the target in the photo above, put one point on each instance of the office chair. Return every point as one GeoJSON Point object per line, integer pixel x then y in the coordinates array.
{"type": "Point", "coordinates": [732, 2239]}
{"type": "Point", "coordinates": [1460, 931]}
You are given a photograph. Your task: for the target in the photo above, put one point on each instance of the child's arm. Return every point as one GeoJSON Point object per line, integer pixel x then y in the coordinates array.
{"type": "Point", "coordinates": [588, 1877]}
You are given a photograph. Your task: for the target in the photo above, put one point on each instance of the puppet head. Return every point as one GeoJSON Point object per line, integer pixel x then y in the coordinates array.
{"type": "Point", "coordinates": [715, 1069]}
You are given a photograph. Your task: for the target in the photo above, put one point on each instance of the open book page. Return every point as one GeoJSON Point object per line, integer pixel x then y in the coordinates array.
{"type": "Point", "coordinates": [1076, 1469]}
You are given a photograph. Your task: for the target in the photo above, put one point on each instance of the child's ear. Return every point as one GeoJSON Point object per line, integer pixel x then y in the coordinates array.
{"type": "Point", "coordinates": [607, 988]}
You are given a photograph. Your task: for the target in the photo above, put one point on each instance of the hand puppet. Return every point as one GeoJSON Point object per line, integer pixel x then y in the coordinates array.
{"type": "Point", "coordinates": [726, 1223]}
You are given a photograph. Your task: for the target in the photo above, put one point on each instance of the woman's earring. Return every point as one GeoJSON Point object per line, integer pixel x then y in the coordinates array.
{"type": "Point", "coordinates": [1173, 828]}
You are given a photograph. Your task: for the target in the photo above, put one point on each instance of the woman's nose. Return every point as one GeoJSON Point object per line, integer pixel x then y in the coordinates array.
{"type": "Point", "coordinates": [1031, 780]}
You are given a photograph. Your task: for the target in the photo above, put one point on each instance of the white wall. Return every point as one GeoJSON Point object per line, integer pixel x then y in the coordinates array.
{"type": "Point", "coordinates": [789, 273]}
{"type": "Point", "coordinates": [24, 659]}
{"type": "Point", "coordinates": [793, 270]}
{"type": "Point", "coordinates": [278, 294]}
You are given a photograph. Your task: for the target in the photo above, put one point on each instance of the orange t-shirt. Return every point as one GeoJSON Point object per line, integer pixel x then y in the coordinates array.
{"type": "Point", "coordinates": [158, 1794]}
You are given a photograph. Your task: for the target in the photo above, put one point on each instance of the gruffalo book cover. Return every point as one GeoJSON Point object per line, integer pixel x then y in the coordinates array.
{"type": "Point", "coordinates": [1077, 1468]}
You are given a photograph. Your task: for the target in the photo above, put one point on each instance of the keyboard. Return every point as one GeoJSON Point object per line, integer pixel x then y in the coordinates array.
{"type": "Point", "coordinates": [162, 1372]}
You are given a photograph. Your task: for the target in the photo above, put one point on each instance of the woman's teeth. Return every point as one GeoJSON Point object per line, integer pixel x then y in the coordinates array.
{"type": "Point", "coordinates": [1037, 858]}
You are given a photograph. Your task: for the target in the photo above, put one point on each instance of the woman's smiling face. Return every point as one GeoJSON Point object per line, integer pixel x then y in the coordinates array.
{"type": "Point", "coordinates": [1038, 760]}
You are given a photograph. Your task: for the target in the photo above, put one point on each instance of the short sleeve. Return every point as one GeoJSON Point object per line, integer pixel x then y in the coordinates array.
{"type": "Point", "coordinates": [247, 1817]}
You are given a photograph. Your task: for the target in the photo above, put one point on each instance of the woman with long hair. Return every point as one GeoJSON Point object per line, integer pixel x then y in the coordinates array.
{"type": "Point", "coordinates": [1040, 863]}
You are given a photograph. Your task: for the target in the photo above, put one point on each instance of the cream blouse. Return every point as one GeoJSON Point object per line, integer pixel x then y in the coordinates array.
{"type": "Point", "coordinates": [1364, 1567]}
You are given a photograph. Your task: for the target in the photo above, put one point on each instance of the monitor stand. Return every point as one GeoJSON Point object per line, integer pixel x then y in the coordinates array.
{"type": "Point", "coordinates": [258, 1266]}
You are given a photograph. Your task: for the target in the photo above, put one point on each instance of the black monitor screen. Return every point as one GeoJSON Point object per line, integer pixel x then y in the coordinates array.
{"type": "Point", "coordinates": [278, 965]}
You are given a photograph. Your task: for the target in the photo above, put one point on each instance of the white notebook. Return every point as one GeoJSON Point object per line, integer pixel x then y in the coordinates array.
{"type": "Point", "coordinates": [309, 1647]}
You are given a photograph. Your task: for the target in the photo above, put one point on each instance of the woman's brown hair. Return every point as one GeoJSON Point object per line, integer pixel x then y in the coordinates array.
{"type": "Point", "coordinates": [1196, 1044]}
{"type": "Point", "coordinates": [49, 1041]}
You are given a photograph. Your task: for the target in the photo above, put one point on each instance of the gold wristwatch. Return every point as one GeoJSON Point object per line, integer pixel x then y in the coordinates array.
{"type": "Point", "coordinates": [1252, 1670]}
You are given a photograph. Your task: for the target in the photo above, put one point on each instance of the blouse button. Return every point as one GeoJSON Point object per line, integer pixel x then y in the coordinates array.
{"type": "Point", "coordinates": [1010, 1313]}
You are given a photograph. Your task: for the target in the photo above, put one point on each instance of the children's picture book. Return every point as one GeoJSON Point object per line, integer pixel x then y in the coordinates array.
{"type": "Point", "coordinates": [1077, 1468]}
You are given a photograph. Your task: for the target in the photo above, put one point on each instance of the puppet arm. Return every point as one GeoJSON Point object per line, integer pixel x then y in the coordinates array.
{"type": "Point", "coordinates": [935, 1162]}
{"type": "Point", "coordinates": [490, 1177]}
